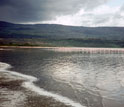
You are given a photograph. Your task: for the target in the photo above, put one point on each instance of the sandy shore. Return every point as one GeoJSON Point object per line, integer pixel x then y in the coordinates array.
{"type": "Point", "coordinates": [9, 47]}
{"type": "Point", "coordinates": [68, 49]}
{"type": "Point", "coordinates": [13, 95]}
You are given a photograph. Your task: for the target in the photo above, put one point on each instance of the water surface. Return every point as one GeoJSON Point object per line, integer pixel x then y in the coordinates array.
{"type": "Point", "coordinates": [93, 80]}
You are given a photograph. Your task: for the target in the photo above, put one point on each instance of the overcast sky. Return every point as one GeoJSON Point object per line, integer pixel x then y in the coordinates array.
{"type": "Point", "coordinates": [66, 12]}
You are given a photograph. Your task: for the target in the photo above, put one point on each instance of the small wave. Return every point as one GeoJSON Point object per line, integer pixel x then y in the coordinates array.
{"type": "Point", "coordinates": [29, 84]}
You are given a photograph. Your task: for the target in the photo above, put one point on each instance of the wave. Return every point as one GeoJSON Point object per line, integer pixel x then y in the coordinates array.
{"type": "Point", "coordinates": [29, 84]}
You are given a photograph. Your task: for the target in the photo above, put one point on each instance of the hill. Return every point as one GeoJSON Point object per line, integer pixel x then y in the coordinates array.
{"type": "Point", "coordinates": [60, 35]}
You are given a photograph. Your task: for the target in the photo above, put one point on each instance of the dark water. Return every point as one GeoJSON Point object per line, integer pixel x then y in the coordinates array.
{"type": "Point", "coordinates": [94, 80]}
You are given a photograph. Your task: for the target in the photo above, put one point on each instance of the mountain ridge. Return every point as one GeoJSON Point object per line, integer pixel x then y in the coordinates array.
{"type": "Point", "coordinates": [62, 25]}
{"type": "Point", "coordinates": [54, 33]}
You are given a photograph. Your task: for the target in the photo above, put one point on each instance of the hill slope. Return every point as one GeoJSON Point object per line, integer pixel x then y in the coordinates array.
{"type": "Point", "coordinates": [57, 35]}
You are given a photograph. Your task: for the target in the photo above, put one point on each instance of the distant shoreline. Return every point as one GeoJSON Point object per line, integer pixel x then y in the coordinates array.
{"type": "Point", "coordinates": [58, 47]}
{"type": "Point", "coordinates": [68, 49]}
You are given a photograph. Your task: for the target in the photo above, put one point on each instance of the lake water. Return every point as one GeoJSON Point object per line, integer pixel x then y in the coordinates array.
{"type": "Point", "coordinates": [89, 79]}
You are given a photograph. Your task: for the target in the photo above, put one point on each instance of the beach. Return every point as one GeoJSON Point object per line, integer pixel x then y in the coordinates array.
{"type": "Point", "coordinates": [15, 93]}
{"type": "Point", "coordinates": [12, 94]}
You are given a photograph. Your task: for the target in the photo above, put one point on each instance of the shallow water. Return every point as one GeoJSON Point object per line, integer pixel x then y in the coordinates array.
{"type": "Point", "coordinates": [93, 80]}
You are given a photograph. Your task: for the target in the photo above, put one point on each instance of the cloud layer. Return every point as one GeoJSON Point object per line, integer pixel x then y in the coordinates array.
{"type": "Point", "coordinates": [102, 15]}
{"type": "Point", "coordinates": [69, 12]}
{"type": "Point", "coordinates": [41, 10]}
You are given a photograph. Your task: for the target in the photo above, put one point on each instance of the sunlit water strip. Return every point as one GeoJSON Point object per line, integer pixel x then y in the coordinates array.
{"type": "Point", "coordinates": [88, 50]}
{"type": "Point", "coordinates": [71, 49]}
{"type": "Point", "coordinates": [31, 86]}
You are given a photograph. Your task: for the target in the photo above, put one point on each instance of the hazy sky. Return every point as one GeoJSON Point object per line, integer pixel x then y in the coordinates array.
{"type": "Point", "coordinates": [67, 12]}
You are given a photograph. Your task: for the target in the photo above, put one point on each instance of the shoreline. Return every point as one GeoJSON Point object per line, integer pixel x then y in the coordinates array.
{"type": "Point", "coordinates": [17, 89]}
{"type": "Point", "coordinates": [58, 47]}
{"type": "Point", "coordinates": [68, 49]}
{"type": "Point", "coordinates": [12, 93]}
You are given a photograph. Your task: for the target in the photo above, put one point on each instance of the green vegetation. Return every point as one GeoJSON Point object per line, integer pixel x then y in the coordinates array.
{"type": "Point", "coordinates": [59, 35]}
{"type": "Point", "coordinates": [62, 42]}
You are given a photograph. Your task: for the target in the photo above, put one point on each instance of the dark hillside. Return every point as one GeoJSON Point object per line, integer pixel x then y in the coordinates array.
{"type": "Point", "coordinates": [59, 34]}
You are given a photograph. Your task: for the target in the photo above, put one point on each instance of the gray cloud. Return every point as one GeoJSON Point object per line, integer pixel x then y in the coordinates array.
{"type": "Point", "coordinates": [122, 8]}
{"type": "Point", "coordinates": [42, 10]}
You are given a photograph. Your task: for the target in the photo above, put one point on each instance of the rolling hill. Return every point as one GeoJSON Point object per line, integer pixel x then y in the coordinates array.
{"type": "Point", "coordinates": [60, 35]}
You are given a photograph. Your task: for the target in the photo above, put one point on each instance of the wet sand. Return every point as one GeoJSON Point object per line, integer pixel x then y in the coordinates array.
{"type": "Point", "coordinates": [12, 94]}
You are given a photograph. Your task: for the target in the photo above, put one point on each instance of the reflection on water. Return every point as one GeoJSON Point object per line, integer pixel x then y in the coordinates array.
{"type": "Point", "coordinates": [96, 80]}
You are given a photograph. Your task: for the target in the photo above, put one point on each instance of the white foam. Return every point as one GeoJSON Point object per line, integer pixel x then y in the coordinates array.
{"type": "Point", "coordinates": [4, 66]}
{"type": "Point", "coordinates": [31, 86]}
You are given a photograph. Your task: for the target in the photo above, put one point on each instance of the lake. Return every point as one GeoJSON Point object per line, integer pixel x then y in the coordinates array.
{"type": "Point", "coordinates": [74, 77]}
